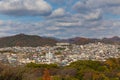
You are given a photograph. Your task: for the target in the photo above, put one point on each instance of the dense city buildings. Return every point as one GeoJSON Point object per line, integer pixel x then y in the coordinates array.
{"type": "Point", "coordinates": [61, 54]}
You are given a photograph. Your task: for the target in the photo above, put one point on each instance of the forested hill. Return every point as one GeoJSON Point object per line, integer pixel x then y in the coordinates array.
{"type": "Point", "coordinates": [26, 40]}
{"type": "Point", "coordinates": [83, 40]}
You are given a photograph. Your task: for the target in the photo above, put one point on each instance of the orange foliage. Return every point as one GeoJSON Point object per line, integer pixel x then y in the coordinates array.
{"type": "Point", "coordinates": [46, 75]}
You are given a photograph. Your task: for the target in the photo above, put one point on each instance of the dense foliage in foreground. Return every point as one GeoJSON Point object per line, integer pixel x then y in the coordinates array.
{"type": "Point", "coordinates": [79, 70]}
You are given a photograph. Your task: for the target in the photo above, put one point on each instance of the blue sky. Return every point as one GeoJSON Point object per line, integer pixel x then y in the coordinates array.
{"type": "Point", "coordinates": [60, 18]}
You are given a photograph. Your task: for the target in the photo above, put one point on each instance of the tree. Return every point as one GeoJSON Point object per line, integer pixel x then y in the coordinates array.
{"type": "Point", "coordinates": [46, 75]}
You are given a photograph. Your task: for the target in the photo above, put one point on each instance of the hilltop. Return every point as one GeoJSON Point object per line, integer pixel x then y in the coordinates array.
{"type": "Point", "coordinates": [26, 40]}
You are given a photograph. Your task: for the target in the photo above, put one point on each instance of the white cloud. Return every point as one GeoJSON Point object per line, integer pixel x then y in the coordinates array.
{"type": "Point", "coordinates": [69, 24]}
{"type": "Point", "coordinates": [102, 3]}
{"type": "Point", "coordinates": [60, 12]}
{"type": "Point", "coordinates": [116, 23]}
{"type": "Point", "coordinates": [94, 15]}
{"type": "Point", "coordinates": [52, 28]}
{"type": "Point", "coordinates": [115, 10]}
{"type": "Point", "coordinates": [1, 22]}
{"type": "Point", "coordinates": [5, 28]}
{"type": "Point", "coordinates": [107, 6]}
{"type": "Point", "coordinates": [81, 7]}
{"type": "Point", "coordinates": [98, 28]}
{"type": "Point", "coordinates": [25, 7]}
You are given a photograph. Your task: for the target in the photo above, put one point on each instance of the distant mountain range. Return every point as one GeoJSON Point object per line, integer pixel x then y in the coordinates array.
{"type": "Point", "coordinates": [82, 40]}
{"type": "Point", "coordinates": [24, 40]}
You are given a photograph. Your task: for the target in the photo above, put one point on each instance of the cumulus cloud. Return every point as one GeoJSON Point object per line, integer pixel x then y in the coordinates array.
{"type": "Point", "coordinates": [60, 12]}
{"type": "Point", "coordinates": [95, 15]}
{"type": "Point", "coordinates": [81, 7]}
{"type": "Point", "coordinates": [107, 6]}
{"type": "Point", "coordinates": [102, 3]}
{"type": "Point", "coordinates": [25, 7]}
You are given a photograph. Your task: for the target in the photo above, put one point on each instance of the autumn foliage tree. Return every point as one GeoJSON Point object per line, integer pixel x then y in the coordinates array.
{"type": "Point", "coordinates": [46, 75]}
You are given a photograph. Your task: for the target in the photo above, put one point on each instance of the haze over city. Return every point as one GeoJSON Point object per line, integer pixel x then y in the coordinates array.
{"type": "Point", "coordinates": [60, 18]}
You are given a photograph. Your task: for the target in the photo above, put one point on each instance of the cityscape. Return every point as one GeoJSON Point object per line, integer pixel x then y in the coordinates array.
{"type": "Point", "coordinates": [62, 53]}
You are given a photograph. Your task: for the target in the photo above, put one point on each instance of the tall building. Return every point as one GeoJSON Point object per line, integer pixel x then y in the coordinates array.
{"type": "Point", "coordinates": [49, 57]}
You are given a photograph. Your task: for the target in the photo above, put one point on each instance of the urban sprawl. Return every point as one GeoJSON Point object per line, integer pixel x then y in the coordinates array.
{"type": "Point", "coordinates": [62, 54]}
